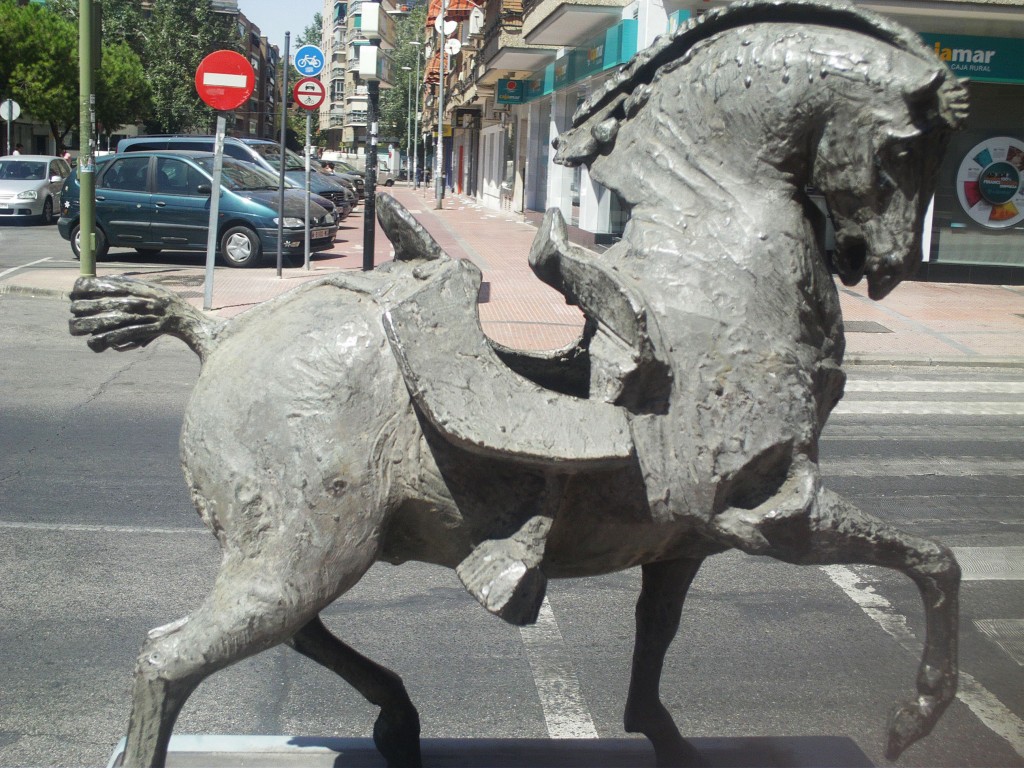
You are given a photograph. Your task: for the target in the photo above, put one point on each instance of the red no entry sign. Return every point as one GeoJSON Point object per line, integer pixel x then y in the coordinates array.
{"type": "Point", "coordinates": [225, 80]}
{"type": "Point", "coordinates": [309, 93]}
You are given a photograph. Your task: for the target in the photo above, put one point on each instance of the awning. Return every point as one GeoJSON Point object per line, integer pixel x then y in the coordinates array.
{"type": "Point", "coordinates": [433, 71]}
{"type": "Point", "coordinates": [458, 10]}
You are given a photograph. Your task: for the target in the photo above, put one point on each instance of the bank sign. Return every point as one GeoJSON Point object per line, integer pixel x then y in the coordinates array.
{"type": "Point", "coordinates": [985, 59]}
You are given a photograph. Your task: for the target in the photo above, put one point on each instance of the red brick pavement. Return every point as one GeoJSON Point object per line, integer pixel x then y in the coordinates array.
{"type": "Point", "coordinates": [920, 322]}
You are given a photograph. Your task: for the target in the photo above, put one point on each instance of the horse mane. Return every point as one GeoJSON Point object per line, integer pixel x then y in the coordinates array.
{"type": "Point", "coordinates": [596, 122]}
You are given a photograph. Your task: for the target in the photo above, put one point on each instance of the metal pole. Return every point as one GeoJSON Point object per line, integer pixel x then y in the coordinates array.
{"type": "Point", "coordinates": [408, 122]}
{"type": "Point", "coordinates": [439, 158]}
{"type": "Point", "coordinates": [309, 117]}
{"type": "Point", "coordinates": [416, 133]}
{"type": "Point", "coordinates": [211, 234]}
{"type": "Point", "coordinates": [86, 157]}
{"type": "Point", "coordinates": [284, 127]}
{"type": "Point", "coordinates": [370, 205]}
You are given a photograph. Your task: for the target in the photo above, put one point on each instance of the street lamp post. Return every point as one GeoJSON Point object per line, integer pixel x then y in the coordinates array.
{"type": "Point", "coordinates": [439, 154]}
{"type": "Point", "coordinates": [408, 121]}
{"type": "Point", "coordinates": [416, 132]}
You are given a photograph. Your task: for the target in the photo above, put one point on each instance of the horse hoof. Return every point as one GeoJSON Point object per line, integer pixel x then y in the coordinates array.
{"type": "Point", "coordinates": [911, 722]}
{"type": "Point", "coordinates": [397, 738]}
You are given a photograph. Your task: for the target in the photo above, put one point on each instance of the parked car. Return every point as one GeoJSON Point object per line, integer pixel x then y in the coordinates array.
{"type": "Point", "coordinates": [348, 171]}
{"type": "Point", "coordinates": [30, 186]}
{"type": "Point", "coordinates": [295, 166]}
{"type": "Point", "coordinates": [155, 200]}
{"type": "Point", "coordinates": [257, 152]}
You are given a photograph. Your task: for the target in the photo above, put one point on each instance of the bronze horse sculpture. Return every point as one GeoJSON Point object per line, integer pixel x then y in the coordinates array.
{"type": "Point", "coordinates": [375, 422]}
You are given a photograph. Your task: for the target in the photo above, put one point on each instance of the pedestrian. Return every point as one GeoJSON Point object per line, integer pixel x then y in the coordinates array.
{"type": "Point", "coordinates": [17, 149]}
{"type": "Point", "coordinates": [66, 156]}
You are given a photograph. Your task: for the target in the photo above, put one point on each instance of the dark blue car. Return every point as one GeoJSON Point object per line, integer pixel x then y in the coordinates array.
{"type": "Point", "coordinates": [151, 201]}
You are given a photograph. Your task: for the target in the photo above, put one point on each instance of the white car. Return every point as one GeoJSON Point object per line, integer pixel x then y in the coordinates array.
{"type": "Point", "coordinates": [30, 187]}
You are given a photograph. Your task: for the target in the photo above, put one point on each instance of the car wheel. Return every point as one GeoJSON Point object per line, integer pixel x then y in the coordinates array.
{"type": "Point", "coordinates": [389, 183]}
{"type": "Point", "coordinates": [76, 243]}
{"type": "Point", "coordinates": [147, 251]}
{"type": "Point", "coordinates": [48, 211]}
{"type": "Point", "coordinates": [240, 247]}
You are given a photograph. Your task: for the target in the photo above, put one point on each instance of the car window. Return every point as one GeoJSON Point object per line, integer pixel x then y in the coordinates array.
{"type": "Point", "coordinates": [240, 176]}
{"type": "Point", "coordinates": [176, 177]}
{"type": "Point", "coordinates": [272, 154]}
{"type": "Point", "coordinates": [23, 170]}
{"type": "Point", "coordinates": [56, 170]}
{"type": "Point", "coordinates": [128, 173]}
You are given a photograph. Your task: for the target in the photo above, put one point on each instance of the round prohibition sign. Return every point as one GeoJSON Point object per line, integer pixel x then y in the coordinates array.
{"type": "Point", "coordinates": [225, 80]}
{"type": "Point", "coordinates": [309, 93]}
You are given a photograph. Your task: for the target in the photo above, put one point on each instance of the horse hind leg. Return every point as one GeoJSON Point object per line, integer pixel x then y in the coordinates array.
{"type": "Point", "coordinates": [818, 527]}
{"type": "Point", "coordinates": [252, 607]}
{"type": "Point", "coordinates": [658, 611]}
{"type": "Point", "coordinates": [396, 731]}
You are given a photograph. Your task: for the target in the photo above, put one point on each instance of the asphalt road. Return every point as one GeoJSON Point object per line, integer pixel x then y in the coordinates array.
{"type": "Point", "coordinates": [99, 543]}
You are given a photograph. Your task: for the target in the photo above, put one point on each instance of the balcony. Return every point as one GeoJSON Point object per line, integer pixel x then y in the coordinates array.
{"type": "Point", "coordinates": [503, 48]}
{"type": "Point", "coordinates": [356, 117]}
{"type": "Point", "coordinates": [560, 23]}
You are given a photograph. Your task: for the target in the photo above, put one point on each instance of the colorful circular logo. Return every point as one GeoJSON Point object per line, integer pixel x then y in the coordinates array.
{"type": "Point", "coordinates": [989, 183]}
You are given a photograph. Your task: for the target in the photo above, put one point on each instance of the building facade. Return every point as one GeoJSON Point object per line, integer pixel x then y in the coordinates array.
{"type": "Point", "coordinates": [525, 65]}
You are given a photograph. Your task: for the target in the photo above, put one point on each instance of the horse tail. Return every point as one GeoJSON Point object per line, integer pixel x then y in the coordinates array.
{"type": "Point", "coordinates": [122, 314]}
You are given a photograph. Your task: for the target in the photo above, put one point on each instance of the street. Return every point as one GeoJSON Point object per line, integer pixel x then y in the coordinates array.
{"type": "Point", "coordinates": [101, 544]}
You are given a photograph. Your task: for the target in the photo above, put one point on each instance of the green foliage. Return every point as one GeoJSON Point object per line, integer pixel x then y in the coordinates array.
{"type": "Point", "coordinates": [394, 110]}
{"type": "Point", "coordinates": [39, 69]}
{"type": "Point", "coordinates": [179, 34]}
{"type": "Point", "coordinates": [311, 35]}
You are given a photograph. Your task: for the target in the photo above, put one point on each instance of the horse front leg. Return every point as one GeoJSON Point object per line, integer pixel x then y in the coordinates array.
{"type": "Point", "coordinates": [657, 620]}
{"type": "Point", "coordinates": [809, 525]}
{"type": "Point", "coordinates": [396, 731]}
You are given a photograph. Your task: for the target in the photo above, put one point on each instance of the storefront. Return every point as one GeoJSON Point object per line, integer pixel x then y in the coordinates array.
{"type": "Point", "coordinates": [977, 231]}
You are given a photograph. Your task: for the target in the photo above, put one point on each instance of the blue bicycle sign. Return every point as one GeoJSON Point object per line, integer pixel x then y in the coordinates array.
{"type": "Point", "coordinates": [309, 60]}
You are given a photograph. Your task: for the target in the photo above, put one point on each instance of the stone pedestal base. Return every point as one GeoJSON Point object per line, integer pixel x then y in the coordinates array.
{"type": "Point", "coordinates": [314, 752]}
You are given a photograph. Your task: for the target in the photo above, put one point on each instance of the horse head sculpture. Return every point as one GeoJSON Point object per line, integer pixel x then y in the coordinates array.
{"type": "Point", "coordinates": [684, 423]}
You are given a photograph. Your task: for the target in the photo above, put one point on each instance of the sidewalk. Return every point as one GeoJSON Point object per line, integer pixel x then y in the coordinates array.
{"type": "Point", "coordinates": [918, 324]}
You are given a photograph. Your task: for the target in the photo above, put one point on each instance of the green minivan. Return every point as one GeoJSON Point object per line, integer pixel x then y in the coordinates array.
{"type": "Point", "coordinates": [151, 201]}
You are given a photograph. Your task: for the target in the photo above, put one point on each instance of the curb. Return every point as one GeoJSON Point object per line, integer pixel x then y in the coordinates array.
{"type": "Point", "coordinates": [977, 361]}
{"type": "Point", "coordinates": [26, 290]}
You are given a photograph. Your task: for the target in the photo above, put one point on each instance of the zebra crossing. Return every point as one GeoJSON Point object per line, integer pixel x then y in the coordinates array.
{"type": "Point", "coordinates": [891, 434]}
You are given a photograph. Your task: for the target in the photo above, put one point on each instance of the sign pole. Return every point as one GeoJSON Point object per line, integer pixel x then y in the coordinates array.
{"type": "Point", "coordinates": [370, 205]}
{"type": "Point", "coordinates": [309, 116]}
{"type": "Point", "coordinates": [211, 234]}
{"type": "Point", "coordinates": [280, 149]}
{"type": "Point", "coordinates": [86, 159]}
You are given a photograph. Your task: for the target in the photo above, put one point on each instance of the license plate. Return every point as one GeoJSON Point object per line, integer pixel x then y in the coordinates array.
{"type": "Point", "coordinates": [316, 234]}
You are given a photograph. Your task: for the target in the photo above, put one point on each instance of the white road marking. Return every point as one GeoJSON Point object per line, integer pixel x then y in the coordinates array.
{"type": "Point", "coordinates": [561, 700]}
{"type": "Point", "coordinates": [1008, 634]}
{"type": "Point", "coordinates": [15, 269]}
{"type": "Point", "coordinates": [995, 715]}
{"type": "Point", "coordinates": [927, 408]}
{"type": "Point", "coordinates": [77, 528]}
{"type": "Point", "coordinates": [936, 466]}
{"type": "Point", "coordinates": [991, 563]}
{"type": "Point", "coordinates": [944, 387]}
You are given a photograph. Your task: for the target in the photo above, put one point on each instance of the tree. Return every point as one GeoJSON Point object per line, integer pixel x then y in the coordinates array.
{"type": "Point", "coordinates": [123, 94]}
{"type": "Point", "coordinates": [313, 33]}
{"type": "Point", "coordinates": [179, 34]}
{"type": "Point", "coordinates": [39, 68]}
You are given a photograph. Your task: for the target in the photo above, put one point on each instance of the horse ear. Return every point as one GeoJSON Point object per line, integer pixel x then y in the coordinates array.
{"type": "Point", "coordinates": [932, 97]}
{"type": "Point", "coordinates": [410, 239]}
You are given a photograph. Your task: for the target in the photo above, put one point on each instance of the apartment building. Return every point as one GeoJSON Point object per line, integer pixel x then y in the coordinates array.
{"type": "Point", "coordinates": [525, 65]}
